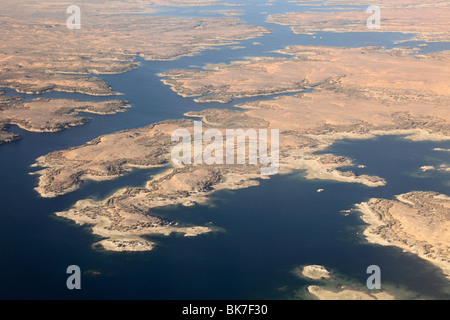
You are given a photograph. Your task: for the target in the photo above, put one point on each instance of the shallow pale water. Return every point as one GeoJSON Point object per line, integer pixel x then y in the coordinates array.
{"type": "Point", "coordinates": [266, 230]}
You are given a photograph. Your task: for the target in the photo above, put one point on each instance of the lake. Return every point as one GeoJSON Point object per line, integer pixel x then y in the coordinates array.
{"type": "Point", "coordinates": [266, 231]}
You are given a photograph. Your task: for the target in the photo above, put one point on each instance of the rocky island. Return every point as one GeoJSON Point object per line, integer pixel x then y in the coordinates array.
{"type": "Point", "coordinates": [331, 286]}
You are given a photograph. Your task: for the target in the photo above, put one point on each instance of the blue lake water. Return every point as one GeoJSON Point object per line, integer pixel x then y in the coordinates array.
{"type": "Point", "coordinates": [266, 230]}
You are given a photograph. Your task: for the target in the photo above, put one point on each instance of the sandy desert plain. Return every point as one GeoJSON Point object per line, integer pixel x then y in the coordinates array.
{"type": "Point", "coordinates": [325, 94]}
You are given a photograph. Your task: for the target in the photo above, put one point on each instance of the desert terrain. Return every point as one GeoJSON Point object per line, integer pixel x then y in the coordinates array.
{"type": "Point", "coordinates": [410, 17]}
{"type": "Point", "coordinates": [343, 104]}
{"type": "Point", "coordinates": [417, 222]}
{"type": "Point", "coordinates": [325, 94]}
{"type": "Point", "coordinates": [42, 54]}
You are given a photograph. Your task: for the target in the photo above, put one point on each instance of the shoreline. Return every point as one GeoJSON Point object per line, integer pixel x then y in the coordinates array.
{"type": "Point", "coordinates": [402, 223]}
